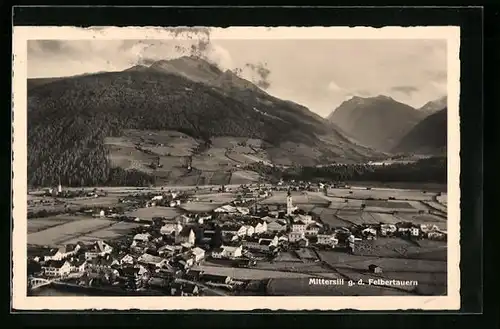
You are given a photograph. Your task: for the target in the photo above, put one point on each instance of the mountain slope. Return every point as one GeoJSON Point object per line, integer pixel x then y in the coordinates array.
{"type": "Point", "coordinates": [428, 137]}
{"type": "Point", "coordinates": [378, 122]}
{"type": "Point", "coordinates": [70, 119]}
{"type": "Point", "coordinates": [434, 106]}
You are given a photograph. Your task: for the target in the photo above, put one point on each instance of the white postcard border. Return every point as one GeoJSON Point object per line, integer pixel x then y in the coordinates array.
{"type": "Point", "coordinates": [20, 300]}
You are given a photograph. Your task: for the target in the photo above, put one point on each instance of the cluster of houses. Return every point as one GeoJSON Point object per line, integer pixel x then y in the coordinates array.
{"type": "Point", "coordinates": [164, 253]}
{"type": "Point", "coordinates": [402, 229]}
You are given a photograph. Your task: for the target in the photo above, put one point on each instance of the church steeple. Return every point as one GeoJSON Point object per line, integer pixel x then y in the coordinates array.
{"type": "Point", "coordinates": [289, 203]}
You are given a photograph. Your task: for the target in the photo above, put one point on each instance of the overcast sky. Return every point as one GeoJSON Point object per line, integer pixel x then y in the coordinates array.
{"type": "Point", "coordinates": [319, 74]}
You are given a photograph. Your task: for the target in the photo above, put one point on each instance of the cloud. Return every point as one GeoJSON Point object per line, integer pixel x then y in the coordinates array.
{"type": "Point", "coordinates": [408, 90]}
{"type": "Point", "coordinates": [333, 86]}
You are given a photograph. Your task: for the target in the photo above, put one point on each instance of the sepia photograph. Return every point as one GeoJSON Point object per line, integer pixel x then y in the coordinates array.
{"type": "Point", "coordinates": [237, 168]}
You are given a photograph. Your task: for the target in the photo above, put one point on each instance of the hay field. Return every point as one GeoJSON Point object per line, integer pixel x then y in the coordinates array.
{"type": "Point", "coordinates": [199, 206]}
{"type": "Point", "coordinates": [40, 224]}
{"type": "Point", "coordinates": [218, 198]}
{"type": "Point", "coordinates": [68, 231]}
{"type": "Point", "coordinates": [105, 201]}
{"type": "Point", "coordinates": [109, 233]}
{"type": "Point", "coordinates": [329, 217]}
{"type": "Point", "coordinates": [244, 177]}
{"type": "Point", "coordinates": [380, 194]}
{"type": "Point", "coordinates": [428, 219]}
{"type": "Point", "coordinates": [149, 213]}
{"type": "Point", "coordinates": [297, 197]}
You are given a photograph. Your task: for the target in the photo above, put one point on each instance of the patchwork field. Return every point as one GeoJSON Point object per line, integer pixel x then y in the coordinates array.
{"type": "Point", "coordinates": [115, 231]}
{"type": "Point", "coordinates": [151, 212]}
{"type": "Point", "coordinates": [217, 198]}
{"type": "Point", "coordinates": [298, 198]}
{"type": "Point", "coordinates": [244, 177]}
{"type": "Point", "coordinates": [200, 206]}
{"type": "Point", "coordinates": [40, 224]}
{"type": "Point", "coordinates": [380, 194]}
{"type": "Point", "coordinates": [68, 231]}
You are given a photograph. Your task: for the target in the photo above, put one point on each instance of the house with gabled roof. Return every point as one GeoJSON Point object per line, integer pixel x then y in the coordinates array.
{"type": "Point", "coordinates": [186, 235]}
{"type": "Point", "coordinates": [98, 248]}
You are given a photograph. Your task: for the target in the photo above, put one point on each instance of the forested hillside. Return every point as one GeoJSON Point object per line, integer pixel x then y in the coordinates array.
{"type": "Point", "coordinates": [69, 118]}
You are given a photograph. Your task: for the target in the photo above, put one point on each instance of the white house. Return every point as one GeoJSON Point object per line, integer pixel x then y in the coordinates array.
{"type": "Point", "coordinates": [296, 236]}
{"type": "Point", "coordinates": [227, 252]}
{"type": "Point", "coordinates": [415, 231]}
{"type": "Point", "coordinates": [99, 248]}
{"type": "Point", "coordinates": [387, 229]}
{"type": "Point", "coordinates": [56, 268]}
{"type": "Point", "coordinates": [307, 219]}
{"type": "Point", "coordinates": [141, 238]}
{"type": "Point", "coordinates": [126, 259]}
{"type": "Point", "coordinates": [327, 239]}
{"type": "Point", "coordinates": [299, 226]}
{"type": "Point", "coordinates": [313, 229]}
{"type": "Point", "coordinates": [152, 260]}
{"type": "Point", "coordinates": [170, 228]}
{"type": "Point", "coordinates": [78, 265]}
{"type": "Point", "coordinates": [260, 227]}
{"type": "Point", "coordinates": [238, 230]}
{"type": "Point", "coordinates": [232, 251]}
{"type": "Point", "coordinates": [250, 230]}
{"type": "Point", "coordinates": [198, 254]}
{"type": "Point", "coordinates": [186, 235]}
{"type": "Point", "coordinates": [64, 252]}
{"type": "Point", "coordinates": [157, 197]}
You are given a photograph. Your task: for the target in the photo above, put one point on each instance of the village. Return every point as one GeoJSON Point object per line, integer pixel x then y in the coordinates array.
{"type": "Point", "coordinates": [184, 255]}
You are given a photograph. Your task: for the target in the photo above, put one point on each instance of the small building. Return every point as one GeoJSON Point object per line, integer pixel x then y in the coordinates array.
{"type": "Point", "coordinates": [141, 238]}
{"type": "Point", "coordinates": [313, 229]}
{"type": "Point", "coordinates": [78, 265]}
{"type": "Point", "coordinates": [151, 260]}
{"type": "Point", "coordinates": [387, 229]}
{"type": "Point", "coordinates": [98, 249]}
{"type": "Point", "coordinates": [414, 231]}
{"type": "Point", "coordinates": [198, 253]}
{"type": "Point", "coordinates": [56, 268]}
{"type": "Point", "coordinates": [299, 226]}
{"type": "Point", "coordinates": [295, 236]}
{"type": "Point", "coordinates": [186, 235]}
{"type": "Point", "coordinates": [327, 240]}
{"type": "Point", "coordinates": [374, 268]}
{"type": "Point", "coordinates": [171, 228]}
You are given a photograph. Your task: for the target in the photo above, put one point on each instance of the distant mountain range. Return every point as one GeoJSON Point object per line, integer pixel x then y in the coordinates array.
{"type": "Point", "coordinates": [428, 137]}
{"type": "Point", "coordinates": [70, 118]}
{"type": "Point", "coordinates": [435, 105]}
{"type": "Point", "coordinates": [378, 122]}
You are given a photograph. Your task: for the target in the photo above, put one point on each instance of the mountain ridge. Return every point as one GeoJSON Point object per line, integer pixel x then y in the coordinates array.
{"type": "Point", "coordinates": [378, 122]}
{"type": "Point", "coordinates": [428, 137]}
{"type": "Point", "coordinates": [69, 119]}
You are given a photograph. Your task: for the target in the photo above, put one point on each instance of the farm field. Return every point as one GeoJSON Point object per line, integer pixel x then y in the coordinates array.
{"type": "Point", "coordinates": [298, 198]}
{"type": "Point", "coordinates": [109, 233]}
{"type": "Point", "coordinates": [429, 219]}
{"type": "Point", "coordinates": [394, 247]}
{"type": "Point", "coordinates": [68, 231]}
{"type": "Point", "coordinates": [301, 287]}
{"type": "Point", "coordinates": [436, 205]}
{"type": "Point", "coordinates": [380, 194]}
{"type": "Point", "coordinates": [244, 177]}
{"type": "Point", "coordinates": [106, 201]}
{"type": "Point", "coordinates": [217, 198]}
{"type": "Point", "coordinates": [151, 212]}
{"type": "Point", "coordinates": [40, 224]}
{"type": "Point", "coordinates": [199, 206]}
